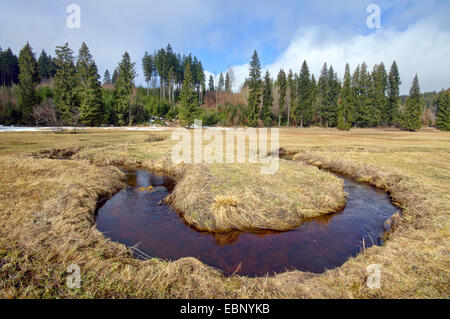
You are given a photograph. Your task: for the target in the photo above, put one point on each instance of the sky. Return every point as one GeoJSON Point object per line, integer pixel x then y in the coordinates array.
{"type": "Point", "coordinates": [224, 34]}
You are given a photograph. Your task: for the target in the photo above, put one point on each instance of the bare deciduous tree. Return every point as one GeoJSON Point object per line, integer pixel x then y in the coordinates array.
{"type": "Point", "coordinates": [47, 114]}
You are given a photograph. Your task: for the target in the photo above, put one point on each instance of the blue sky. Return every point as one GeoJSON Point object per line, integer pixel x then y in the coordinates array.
{"type": "Point", "coordinates": [224, 34]}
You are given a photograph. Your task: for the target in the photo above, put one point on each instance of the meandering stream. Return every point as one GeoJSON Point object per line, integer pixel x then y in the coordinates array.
{"type": "Point", "coordinates": [139, 216]}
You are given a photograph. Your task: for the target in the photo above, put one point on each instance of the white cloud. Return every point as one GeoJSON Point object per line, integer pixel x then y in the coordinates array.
{"type": "Point", "coordinates": [422, 48]}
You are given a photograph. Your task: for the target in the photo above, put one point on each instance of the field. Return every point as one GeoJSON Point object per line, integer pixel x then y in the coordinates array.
{"type": "Point", "coordinates": [50, 186]}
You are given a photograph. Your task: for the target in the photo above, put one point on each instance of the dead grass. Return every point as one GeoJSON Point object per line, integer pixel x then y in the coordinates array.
{"type": "Point", "coordinates": [47, 212]}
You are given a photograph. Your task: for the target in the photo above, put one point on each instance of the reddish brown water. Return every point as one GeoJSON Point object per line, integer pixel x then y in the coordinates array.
{"type": "Point", "coordinates": [138, 217]}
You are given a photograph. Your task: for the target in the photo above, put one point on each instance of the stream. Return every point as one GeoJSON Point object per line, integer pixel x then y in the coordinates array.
{"type": "Point", "coordinates": [138, 216]}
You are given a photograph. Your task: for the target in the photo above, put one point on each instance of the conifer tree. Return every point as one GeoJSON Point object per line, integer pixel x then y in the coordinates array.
{"type": "Point", "coordinates": [304, 111]}
{"type": "Point", "coordinates": [291, 96]}
{"type": "Point", "coordinates": [334, 88]}
{"type": "Point", "coordinates": [364, 106]}
{"type": "Point", "coordinates": [322, 91]}
{"type": "Point", "coordinates": [281, 83]}
{"type": "Point", "coordinates": [115, 76]}
{"type": "Point", "coordinates": [393, 92]}
{"type": "Point", "coordinates": [443, 110]}
{"type": "Point", "coordinates": [124, 88]}
{"type": "Point", "coordinates": [211, 84]}
{"type": "Point", "coordinates": [411, 119]}
{"type": "Point", "coordinates": [227, 83]}
{"type": "Point", "coordinates": [188, 99]}
{"type": "Point", "coordinates": [28, 79]}
{"type": "Point", "coordinates": [266, 112]}
{"type": "Point", "coordinates": [89, 88]}
{"type": "Point", "coordinates": [148, 68]}
{"type": "Point", "coordinates": [66, 83]}
{"type": "Point", "coordinates": [221, 83]}
{"type": "Point", "coordinates": [107, 77]}
{"type": "Point", "coordinates": [379, 99]}
{"type": "Point", "coordinates": [9, 68]}
{"type": "Point", "coordinates": [346, 106]}
{"type": "Point", "coordinates": [44, 66]}
{"type": "Point", "coordinates": [254, 86]}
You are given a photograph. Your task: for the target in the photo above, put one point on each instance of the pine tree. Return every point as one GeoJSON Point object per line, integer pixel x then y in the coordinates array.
{"type": "Point", "coordinates": [211, 84]}
{"type": "Point", "coordinates": [391, 111]}
{"type": "Point", "coordinates": [346, 106]}
{"type": "Point", "coordinates": [66, 83]}
{"type": "Point", "coordinates": [28, 79]}
{"type": "Point", "coordinates": [443, 110]}
{"type": "Point", "coordinates": [281, 83]}
{"type": "Point", "coordinates": [221, 84]}
{"type": "Point", "coordinates": [411, 119]}
{"type": "Point", "coordinates": [107, 77]}
{"type": "Point", "coordinates": [188, 99]}
{"type": "Point", "coordinates": [304, 111]}
{"type": "Point", "coordinates": [266, 112]}
{"type": "Point", "coordinates": [254, 86]}
{"type": "Point", "coordinates": [89, 88]}
{"type": "Point", "coordinates": [124, 89]}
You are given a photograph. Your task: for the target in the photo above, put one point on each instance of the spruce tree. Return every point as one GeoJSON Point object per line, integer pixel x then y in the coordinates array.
{"type": "Point", "coordinates": [124, 89]}
{"type": "Point", "coordinates": [304, 111]}
{"type": "Point", "coordinates": [66, 83]}
{"type": "Point", "coordinates": [148, 68]}
{"type": "Point", "coordinates": [334, 87]}
{"type": "Point", "coordinates": [379, 99]}
{"type": "Point", "coordinates": [28, 79]}
{"type": "Point", "coordinates": [227, 83]}
{"type": "Point", "coordinates": [44, 66]}
{"type": "Point", "coordinates": [322, 91]}
{"type": "Point", "coordinates": [211, 84]}
{"type": "Point", "coordinates": [115, 76]}
{"type": "Point", "coordinates": [9, 68]}
{"type": "Point", "coordinates": [188, 99]}
{"type": "Point", "coordinates": [89, 88]}
{"type": "Point", "coordinates": [221, 84]}
{"type": "Point", "coordinates": [266, 112]}
{"type": "Point", "coordinates": [254, 86]}
{"type": "Point", "coordinates": [393, 92]}
{"type": "Point", "coordinates": [281, 83]}
{"type": "Point", "coordinates": [346, 106]}
{"type": "Point", "coordinates": [443, 110]}
{"type": "Point", "coordinates": [365, 104]}
{"type": "Point", "coordinates": [107, 77]}
{"type": "Point", "coordinates": [411, 119]}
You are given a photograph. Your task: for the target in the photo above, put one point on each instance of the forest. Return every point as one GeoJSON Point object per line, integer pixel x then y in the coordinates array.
{"type": "Point", "coordinates": [67, 89]}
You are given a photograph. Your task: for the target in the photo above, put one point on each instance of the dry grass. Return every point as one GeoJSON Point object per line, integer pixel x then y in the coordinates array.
{"type": "Point", "coordinates": [225, 197]}
{"type": "Point", "coordinates": [47, 212]}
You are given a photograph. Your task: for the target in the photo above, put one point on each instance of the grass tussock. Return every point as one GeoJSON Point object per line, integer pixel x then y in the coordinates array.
{"type": "Point", "coordinates": [221, 198]}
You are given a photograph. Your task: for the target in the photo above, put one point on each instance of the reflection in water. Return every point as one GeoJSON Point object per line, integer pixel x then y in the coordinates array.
{"type": "Point", "coordinates": [137, 217]}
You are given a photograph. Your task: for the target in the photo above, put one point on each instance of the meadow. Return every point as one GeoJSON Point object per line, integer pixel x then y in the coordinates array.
{"type": "Point", "coordinates": [51, 185]}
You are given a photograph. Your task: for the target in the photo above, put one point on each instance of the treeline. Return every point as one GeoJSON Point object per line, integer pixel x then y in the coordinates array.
{"type": "Point", "coordinates": [69, 88]}
{"type": "Point", "coordinates": [364, 98]}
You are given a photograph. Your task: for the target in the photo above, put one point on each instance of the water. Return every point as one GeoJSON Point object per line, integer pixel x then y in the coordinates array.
{"type": "Point", "coordinates": [134, 216]}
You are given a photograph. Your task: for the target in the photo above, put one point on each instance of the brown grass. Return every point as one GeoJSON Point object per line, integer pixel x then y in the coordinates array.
{"type": "Point", "coordinates": [47, 212]}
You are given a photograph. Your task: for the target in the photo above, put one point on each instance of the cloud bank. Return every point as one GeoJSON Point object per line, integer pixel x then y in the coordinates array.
{"type": "Point", "coordinates": [423, 48]}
